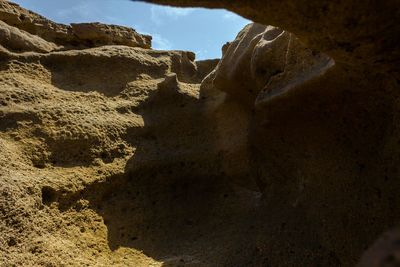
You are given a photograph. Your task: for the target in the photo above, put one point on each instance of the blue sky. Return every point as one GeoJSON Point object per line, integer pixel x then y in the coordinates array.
{"type": "Point", "coordinates": [199, 30]}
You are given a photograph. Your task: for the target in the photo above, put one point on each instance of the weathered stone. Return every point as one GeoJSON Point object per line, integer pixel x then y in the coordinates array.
{"type": "Point", "coordinates": [324, 150]}
{"type": "Point", "coordinates": [265, 62]}
{"type": "Point", "coordinates": [80, 34]}
{"type": "Point", "coordinates": [112, 155]}
{"type": "Point", "coordinates": [14, 39]}
{"type": "Point", "coordinates": [359, 34]}
{"type": "Point", "coordinates": [97, 34]}
{"type": "Point", "coordinates": [205, 67]}
{"type": "Point", "coordinates": [384, 252]}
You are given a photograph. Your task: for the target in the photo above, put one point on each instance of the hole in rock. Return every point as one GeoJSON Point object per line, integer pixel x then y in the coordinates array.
{"type": "Point", "coordinates": [49, 195]}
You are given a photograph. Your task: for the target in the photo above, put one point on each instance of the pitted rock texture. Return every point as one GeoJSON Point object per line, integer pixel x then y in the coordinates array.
{"type": "Point", "coordinates": [63, 132]}
{"type": "Point", "coordinates": [17, 40]}
{"type": "Point", "coordinates": [84, 132]}
{"type": "Point", "coordinates": [145, 166]}
{"type": "Point", "coordinates": [98, 34]}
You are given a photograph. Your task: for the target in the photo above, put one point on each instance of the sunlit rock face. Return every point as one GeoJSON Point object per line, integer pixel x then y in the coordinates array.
{"type": "Point", "coordinates": [283, 153]}
{"type": "Point", "coordinates": [105, 155]}
{"type": "Point", "coordinates": [75, 35]}
{"type": "Point", "coordinates": [266, 62]}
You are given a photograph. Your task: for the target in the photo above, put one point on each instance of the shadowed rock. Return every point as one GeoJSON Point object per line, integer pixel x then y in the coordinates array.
{"type": "Point", "coordinates": [385, 252]}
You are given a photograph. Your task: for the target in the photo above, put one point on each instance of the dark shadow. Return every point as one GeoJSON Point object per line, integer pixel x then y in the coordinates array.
{"type": "Point", "coordinates": [327, 190]}
{"type": "Point", "coordinates": [173, 202]}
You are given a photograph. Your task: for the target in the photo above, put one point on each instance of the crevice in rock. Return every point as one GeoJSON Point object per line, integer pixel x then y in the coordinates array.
{"type": "Point", "coordinates": [49, 195]}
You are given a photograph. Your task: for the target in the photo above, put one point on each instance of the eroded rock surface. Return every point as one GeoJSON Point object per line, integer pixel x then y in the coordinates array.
{"type": "Point", "coordinates": [384, 252]}
{"type": "Point", "coordinates": [14, 39]}
{"type": "Point", "coordinates": [324, 149]}
{"type": "Point", "coordinates": [265, 62]}
{"type": "Point", "coordinates": [98, 34]}
{"type": "Point", "coordinates": [69, 130]}
{"type": "Point", "coordinates": [286, 154]}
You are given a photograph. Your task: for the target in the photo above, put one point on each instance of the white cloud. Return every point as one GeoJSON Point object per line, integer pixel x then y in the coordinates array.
{"type": "Point", "coordinates": [160, 13]}
{"type": "Point", "coordinates": [81, 11]}
{"type": "Point", "coordinates": [86, 12]}
{"type": "Point", "coordinates": [201, 54]}
{"type": "Point", "coordinates": [160, 43]}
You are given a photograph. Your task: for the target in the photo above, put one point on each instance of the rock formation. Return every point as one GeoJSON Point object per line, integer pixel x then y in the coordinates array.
{"type": "Point", "coordinates": [74, 35]}
{"type": "Point", "coordinates": [69, 128]}
{"type": "Point", "coordinates": [266, 62]}
{"type": "Point", "coordinates": [326, 149]}
{"type": "Point", "coordinates": [384, 252]}
{"type": "Point", "coordinates": [283, 153]}
{"type": "Point", "coordinates": [361, 35]}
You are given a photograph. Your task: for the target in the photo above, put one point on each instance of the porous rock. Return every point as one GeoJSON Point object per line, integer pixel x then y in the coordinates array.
{"type": "Point", "coordinates": [98, 34]}
{"type": "Point", "coordinates": [17, 40]}
{"type": "Point", "coordinates": [116, 155]}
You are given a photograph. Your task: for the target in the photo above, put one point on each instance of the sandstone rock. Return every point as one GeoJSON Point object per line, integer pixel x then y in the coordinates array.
{"type": "Point", "coordinates": [72, 131]}
{"type": "Point", "coordinates": [138, 166]}
{"type": "Point", "coordinates": [357, 34]}
{"type": "Point", "coordinates": [17, 40]}
{"type": "Point", "coordinates": [28, 21]}
{"type": "Point", "coordinates": [384, 252]}
{"type": "Point", "coordinates": [78, 34]}
{"type": "Point", "coordinates": [184, 65]}
{"type": "Point", "coordinates": [65, 126]}
{"type": "Point", "coordinates": [324, 150]}
{"type": "Point", "coordinates": [170, 82]}
{"type": "Point", "coordinates": [192, 71]}
{"type": "Point", "coordinates": [265, 62]}
{"type": "Point", "coordinates": [205, 67]}
{"type": "Point", "coordinates": [97, 34]}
